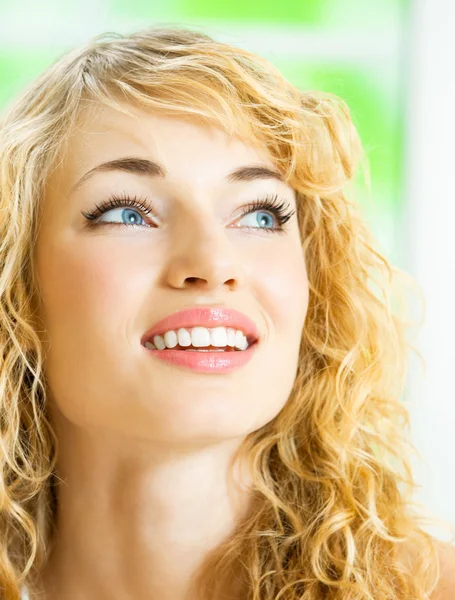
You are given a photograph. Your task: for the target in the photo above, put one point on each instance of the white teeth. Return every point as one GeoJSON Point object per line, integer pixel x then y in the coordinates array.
{"type": "Point", "coordinates": [158, 340]}
{"type": "Point", "coordinates": [230, 337]}
{"type": "Point", "coordinates": [200, 337]}
{"type": "Point", "coordinates": [170, 339]}
{"type": "Point", "coordinates": [218, 337]}
{"type": "Point", "coordinates": [184, 337]}
{"type": "Point", "coordinates": [240, 340]}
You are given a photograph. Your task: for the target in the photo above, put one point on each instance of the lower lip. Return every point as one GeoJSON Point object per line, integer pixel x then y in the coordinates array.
{"type": "Point", "coordinates": [206, 362]}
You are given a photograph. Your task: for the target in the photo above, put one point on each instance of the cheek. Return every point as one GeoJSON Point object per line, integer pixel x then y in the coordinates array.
{"type": "Point", "coordinates": [84, 290]}
{"type": "Point", "coordinates": [284, 291]}
{"type": "Point", "coordinates": [89, 300]}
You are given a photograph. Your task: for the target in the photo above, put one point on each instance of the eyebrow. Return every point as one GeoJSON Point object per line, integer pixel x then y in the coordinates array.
{"type": "Point", "coordinates": [149, 168]}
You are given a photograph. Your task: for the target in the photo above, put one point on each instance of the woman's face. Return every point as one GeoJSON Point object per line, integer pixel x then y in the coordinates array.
{"type": "Point", "coordinates": [102, 288]}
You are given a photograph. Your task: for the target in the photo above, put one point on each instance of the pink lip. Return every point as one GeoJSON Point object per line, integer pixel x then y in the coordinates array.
{"type": "Point", "coordinates": [206, 362]}
{"type": "Point", "coordinates": [205, 317]}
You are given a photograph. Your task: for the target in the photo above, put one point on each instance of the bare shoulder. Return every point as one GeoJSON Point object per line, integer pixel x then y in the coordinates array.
{"type": "Point", "coordinates": [445, 589]}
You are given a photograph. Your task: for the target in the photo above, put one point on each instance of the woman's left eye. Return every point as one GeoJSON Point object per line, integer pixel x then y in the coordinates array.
{"type": "Point", "coordinates": [260, 216]}
{"type": "Point", "coordinates": [130, 210]}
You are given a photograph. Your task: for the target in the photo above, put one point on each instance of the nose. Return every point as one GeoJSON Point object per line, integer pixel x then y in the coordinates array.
{"type": "Point", "coordinates": [205, 256]}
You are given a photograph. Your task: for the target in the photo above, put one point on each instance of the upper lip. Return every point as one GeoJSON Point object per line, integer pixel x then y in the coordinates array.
{"type": "Point", "coordinates": [205, 317]}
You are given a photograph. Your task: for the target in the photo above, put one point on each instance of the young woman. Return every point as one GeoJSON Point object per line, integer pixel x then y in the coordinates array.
{"type": "Point", "coordinates": [200, 391]}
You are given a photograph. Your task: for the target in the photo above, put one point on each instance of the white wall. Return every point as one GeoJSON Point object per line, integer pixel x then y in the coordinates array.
{"type": "Point", "coordinates": [429, 225]}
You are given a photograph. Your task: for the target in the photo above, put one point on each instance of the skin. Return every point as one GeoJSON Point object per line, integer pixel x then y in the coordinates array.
{"type": "Point", "coordinates": [145, 447]}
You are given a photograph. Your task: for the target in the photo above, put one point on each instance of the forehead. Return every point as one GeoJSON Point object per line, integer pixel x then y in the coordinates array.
{"type": "Point", "coordinates": [187, 145]}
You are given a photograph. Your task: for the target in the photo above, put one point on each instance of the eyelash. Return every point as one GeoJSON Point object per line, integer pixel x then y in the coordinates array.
{"type": "Point", "coordinates": [269, 203]}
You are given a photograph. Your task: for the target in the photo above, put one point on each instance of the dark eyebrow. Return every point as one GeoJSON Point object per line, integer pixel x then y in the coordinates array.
{"type": "Point", "coordinates": [143, 166]}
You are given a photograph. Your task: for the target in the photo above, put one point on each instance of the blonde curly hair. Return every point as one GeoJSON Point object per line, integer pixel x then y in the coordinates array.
{"type": "Point", "coordinates": [332, 481]}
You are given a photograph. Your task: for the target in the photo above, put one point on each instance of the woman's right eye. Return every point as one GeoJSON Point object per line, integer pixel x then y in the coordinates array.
{"type": "Point", "coordinates": [129, 216]}
{"type": "Point", "coordinates": [126, 207]}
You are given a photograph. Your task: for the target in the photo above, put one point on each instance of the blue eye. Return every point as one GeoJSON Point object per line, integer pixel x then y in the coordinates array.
{"type": "Point", "coordinates": [264, 217]}
{"type": "Point", "coordinates": [130, 210]}
{"type": "Point", "coordinates": [129, 216]}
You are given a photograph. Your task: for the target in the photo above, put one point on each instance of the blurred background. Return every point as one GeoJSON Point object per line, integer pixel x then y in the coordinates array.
{"type": "Point", "coordinates": [392, 62]}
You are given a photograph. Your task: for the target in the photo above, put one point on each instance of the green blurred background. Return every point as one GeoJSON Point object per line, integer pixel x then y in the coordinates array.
{"type": "Point", "coordinates": [352, 48]}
